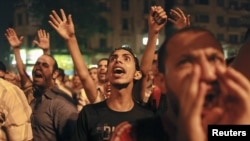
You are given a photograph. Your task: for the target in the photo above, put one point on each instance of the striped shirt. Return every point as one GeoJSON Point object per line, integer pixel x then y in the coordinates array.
{"type": "Point", "coordinates": [15, 112]}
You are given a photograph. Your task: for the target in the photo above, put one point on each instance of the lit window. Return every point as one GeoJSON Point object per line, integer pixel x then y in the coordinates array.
{"type": "Point", "coordinates": [145, 41]}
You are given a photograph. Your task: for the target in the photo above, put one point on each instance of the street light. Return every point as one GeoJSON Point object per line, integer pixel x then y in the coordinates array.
{"type": "Point", "coordinates": [145, 41]}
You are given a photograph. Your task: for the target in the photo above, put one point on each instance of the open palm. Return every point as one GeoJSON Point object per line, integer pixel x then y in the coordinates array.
{"type": "Point", "coordinates": [12, 38]}
{"type": "Point", "coordinates": [64, 26]}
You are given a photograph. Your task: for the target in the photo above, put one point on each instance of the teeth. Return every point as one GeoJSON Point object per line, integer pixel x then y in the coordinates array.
{"type": "Point", "coordinates": [118, 70]}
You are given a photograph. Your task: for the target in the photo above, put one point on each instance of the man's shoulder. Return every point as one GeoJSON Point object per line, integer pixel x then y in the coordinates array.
{"type": "Point", "coordinates": [60, 97]}
{"type": "Point", "coordinates": [96, 106]}
{"type": "Point", "coordinates": [139, 107]}
{"type": "Point", "coordinates": [6, 85]}
{"type": "Point", "coordinates": [10, 91]}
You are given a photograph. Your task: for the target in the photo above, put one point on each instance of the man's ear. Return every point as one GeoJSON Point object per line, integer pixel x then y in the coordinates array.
{"type": "Point", "coordinates": [137, 75]}
{"type": "Point", "coordinates": [55, 75]}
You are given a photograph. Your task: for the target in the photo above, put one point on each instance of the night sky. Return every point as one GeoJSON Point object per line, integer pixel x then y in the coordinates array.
{"type": "Point", "coordinates": [6, 20]}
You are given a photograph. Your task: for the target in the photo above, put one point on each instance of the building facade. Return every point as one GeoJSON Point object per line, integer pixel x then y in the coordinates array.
{"type": "Point", "coordinates": [227, 19]}
{"type": "Point", "coordinates": [127, 19]}
{"type": "Point", "coordinates": [129, 23]}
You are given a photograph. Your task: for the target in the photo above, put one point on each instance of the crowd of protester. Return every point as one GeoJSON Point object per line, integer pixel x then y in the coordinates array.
{"type": "Point", "coordinates": [171, 94]}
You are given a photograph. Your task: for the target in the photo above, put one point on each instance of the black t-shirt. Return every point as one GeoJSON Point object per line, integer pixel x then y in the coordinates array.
{"type": "Point", "coordinates": [150, 129]}
{"type": "Point", "coordinates": [97, 122]}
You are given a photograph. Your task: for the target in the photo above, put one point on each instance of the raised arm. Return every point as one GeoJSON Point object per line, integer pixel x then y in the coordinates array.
{"type": "Point", "coordinates": [65, 28]}
{"type": "Point", "coordinates": [153, 33]}
{"type": "Point", "coordinates": [178, 18]}
{"type": "Point", "coordinates": [157, 13]}
{"type": "Point", "coordinates": [15, 43]}
{"type": "Point", "coordinates": [43, 41]}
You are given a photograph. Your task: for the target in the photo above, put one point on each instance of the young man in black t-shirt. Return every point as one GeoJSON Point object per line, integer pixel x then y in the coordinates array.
{"type": "Point", "coordinates": [96, 122]}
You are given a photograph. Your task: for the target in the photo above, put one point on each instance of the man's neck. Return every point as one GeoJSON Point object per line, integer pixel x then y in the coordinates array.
{"type": "Point", "coordinates": [121, 99]}
{"type": "Point", "coordinates": [120, 105]}
{"type": "Point", "coordinates": [38, 91]}
{"type": "Point", "coordinates": [101, 82]}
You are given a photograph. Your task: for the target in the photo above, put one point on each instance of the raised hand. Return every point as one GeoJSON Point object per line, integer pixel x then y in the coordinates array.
{"type": "Point", "coordinates": [191, 101]}
{"type": "Point", "coordinates": [63, 25]}
{"type": "Point", "coordinates": [235, 97]}
{"type": "Point", "coordinates": [65, 28]}
{"type": "Point", "coordinates": [43, 41]}
{"type": "Point", "coordinates": [12, 38]}
{"type": "Point", "coordinates": [157, 18]}
{"type": "Point", "coordinates": [180, 20]}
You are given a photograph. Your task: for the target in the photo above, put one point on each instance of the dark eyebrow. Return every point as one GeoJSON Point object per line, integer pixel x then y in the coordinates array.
{"type": "Point", "coordinates": [113, 55]}
{"type": "Point", "coordinates": [186, 56]}
{"type": "Point", "coordinates": [45, 63]}
{"type": "Point", "coordinates": [127, 54]}
{"type": "Point", "coordinates": [217, 54]}
{"type": "Point", "coordinates": [41, 63]}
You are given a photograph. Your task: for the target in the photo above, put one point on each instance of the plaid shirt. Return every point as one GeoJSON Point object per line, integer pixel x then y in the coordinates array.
{"type": "Point", "coordinates": [15, 113]}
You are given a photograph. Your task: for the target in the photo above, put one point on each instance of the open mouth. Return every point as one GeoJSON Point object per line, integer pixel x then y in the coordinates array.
{"type": "Point", "coordinates": [38, 75]}
{"type": "Point", "coordinates": [211, 98]}
{"type": "Point", "coordinates": [118, 71]}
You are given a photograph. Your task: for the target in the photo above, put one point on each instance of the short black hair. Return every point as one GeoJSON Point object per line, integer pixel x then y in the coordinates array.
{"type": "Point", "coordinates": [137, 65]}
{"type": "Point", "coordinates": [61, 73]}
{"type": "Point", "coordinates": [102, 59]}
{"type": "Point", "coordinates": [2, 67]}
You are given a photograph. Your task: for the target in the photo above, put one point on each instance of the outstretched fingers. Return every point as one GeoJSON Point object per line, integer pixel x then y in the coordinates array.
{"type": "Point", "coordinates": [239, 78]}
{"type": "Point", "coordinates": [191, 92]}
{"type": "Point", "coordinates": [55, 20]}
{"type": "Point", "coordinates": [179, 19]}
{"type": "Point", "coordinates": [10, 32]}
{"type": "Point", "coordinates": [175, 14]}
{"type": "Point", "coordinates": [63, 15]}
{"type": "Point", "coordinates": [56, 16]}
{"type": "Point", "coordinates": [70, 21]}
{"type": "Point", "coordinates": [236, 84]}
{"type": "Point", "coordinates": [12, 38]}
{"type": "Point", "coordinates": [180, 12]}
